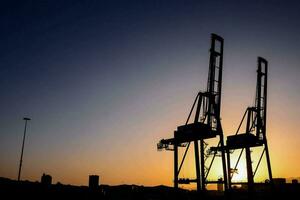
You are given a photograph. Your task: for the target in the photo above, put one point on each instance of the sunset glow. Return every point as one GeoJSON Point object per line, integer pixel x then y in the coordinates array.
{"type": "Point", "coordinates": [104, 82]}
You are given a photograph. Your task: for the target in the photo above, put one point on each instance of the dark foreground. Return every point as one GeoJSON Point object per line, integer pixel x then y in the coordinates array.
{"type": "Point", "coordinates": [10, 189]}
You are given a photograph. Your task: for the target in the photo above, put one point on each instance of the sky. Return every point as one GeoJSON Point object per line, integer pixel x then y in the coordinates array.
{"type": "Point", "coordinates": [104, 81]}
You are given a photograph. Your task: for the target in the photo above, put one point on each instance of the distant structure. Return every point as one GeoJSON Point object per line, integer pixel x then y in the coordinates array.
{"type": "Point", "coordinates": [294, 181]}
{"type": "Point", "coordinates": [206, 125]}
{"type": "Point", "coordinates": [46, 179]}
{"type": "Point", "coordinates": [93, 181]}
{"type": "Point", "coordinates": [279, 181]}
{"type": "Point", "coordinates": [220, 186]}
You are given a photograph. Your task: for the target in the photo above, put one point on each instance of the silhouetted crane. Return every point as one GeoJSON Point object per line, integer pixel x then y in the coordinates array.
{"type": "Point", "coordinates": [255, 133]}
{"type": "Point", "coordinates": [206, 124]}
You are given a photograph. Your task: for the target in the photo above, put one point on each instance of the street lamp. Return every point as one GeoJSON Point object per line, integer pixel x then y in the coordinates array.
{"type": "Point", "coordinates": [21, 159]}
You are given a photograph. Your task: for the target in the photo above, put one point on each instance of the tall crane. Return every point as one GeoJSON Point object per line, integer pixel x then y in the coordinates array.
{"type": "Point", "coordinates": [255, 133]}
{"type": "Point", "coordinates": [206, 124]}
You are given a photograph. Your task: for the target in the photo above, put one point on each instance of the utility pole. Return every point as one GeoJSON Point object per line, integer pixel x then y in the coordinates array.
{"type": "Point", "coordinates": [21, 159]}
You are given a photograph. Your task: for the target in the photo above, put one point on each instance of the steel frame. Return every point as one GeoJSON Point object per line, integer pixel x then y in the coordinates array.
{"type": "Point", "coordinates": [206, 124]}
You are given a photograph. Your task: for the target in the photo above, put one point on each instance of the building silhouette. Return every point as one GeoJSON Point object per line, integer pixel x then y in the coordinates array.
{"type": "Point", "coordinates": [46, 179]}
{"type": "Point", "coordinates": [93, 182]}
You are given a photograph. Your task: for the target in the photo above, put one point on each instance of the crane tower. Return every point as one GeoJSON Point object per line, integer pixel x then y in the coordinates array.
{"type": "Point", "coordinates": [206, 125]}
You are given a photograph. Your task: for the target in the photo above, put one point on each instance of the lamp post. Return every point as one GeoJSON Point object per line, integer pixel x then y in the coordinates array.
{"type": "Point", "coordinates": [21, 159]}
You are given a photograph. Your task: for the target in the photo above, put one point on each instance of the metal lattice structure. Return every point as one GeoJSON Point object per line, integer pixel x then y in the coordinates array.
{"type": "Point", "coordinates": [255, 133]}
{"type": "Point", "coordinates": [206, 125]}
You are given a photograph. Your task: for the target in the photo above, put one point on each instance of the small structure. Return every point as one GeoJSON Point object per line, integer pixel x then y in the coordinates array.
{"type": "Point", "coordinates": [279, 181]}
{"type": "Point", "coordinates": [294, 181]}
{"type": "Point", "coordinates": [46, 179]}
{"type": "Point", "coordinates": [220, 185]}
{"type": "Point", "coordinates": [93, 182]}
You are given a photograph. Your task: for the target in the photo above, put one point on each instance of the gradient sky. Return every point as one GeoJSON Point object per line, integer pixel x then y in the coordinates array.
{"type": "Point", "coordinates": [104, 81]}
